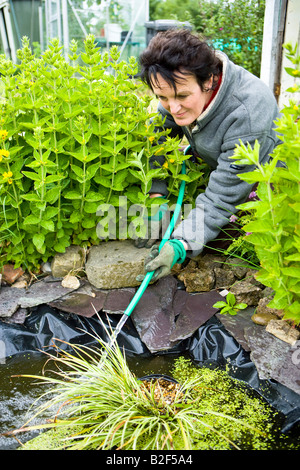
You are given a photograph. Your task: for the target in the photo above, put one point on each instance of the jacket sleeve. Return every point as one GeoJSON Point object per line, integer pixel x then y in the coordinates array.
{"type": "Point", "coordinates": [160, 185]}
{"type": "Point", "coordinates": [225, 190]}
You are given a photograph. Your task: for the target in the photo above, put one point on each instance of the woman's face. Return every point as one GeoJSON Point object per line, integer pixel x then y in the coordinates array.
{"type": "Point", "coordinates": [187, 103]}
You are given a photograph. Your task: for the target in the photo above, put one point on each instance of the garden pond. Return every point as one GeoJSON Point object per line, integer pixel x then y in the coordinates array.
{"type": "Point", "coordinates": [277, 407]}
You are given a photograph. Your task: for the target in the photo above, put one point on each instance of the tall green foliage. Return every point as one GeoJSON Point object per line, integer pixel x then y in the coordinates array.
{"type": "Point", "coordinates": [275, 227]}
{"type": "Point", "coordinates": [74, 134]}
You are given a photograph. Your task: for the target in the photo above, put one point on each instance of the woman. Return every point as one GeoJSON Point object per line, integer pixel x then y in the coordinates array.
{"type": "Point", "coordinates": [215, 104]}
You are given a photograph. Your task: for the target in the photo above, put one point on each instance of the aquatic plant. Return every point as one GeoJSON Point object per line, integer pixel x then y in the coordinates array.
{"type": "Point", "coordinates": [101, 404]}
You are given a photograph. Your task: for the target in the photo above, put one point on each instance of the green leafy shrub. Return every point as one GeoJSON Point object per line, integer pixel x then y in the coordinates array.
{"type": "Point", "coordinates": [275, 226]}
{"type": "Point", "coordinates": [237, 30]}
{"type": "Point", "coordinates": [74, 133]}
{"type": "Point", "coordinates": [234, 27]}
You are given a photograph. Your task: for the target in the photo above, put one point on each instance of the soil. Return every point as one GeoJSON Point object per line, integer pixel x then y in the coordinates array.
{"type": "Point", "coordinates": [165, 391]}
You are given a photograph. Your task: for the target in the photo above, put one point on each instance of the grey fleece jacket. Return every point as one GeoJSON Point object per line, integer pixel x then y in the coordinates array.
{"type": "Point", "coordinates": [243, 109]}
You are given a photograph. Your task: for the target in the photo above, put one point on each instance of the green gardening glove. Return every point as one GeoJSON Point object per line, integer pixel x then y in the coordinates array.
{"type": "Point", "coordinates": [155, 230]}
{"type": "Point", "coordinates": [162, 261]}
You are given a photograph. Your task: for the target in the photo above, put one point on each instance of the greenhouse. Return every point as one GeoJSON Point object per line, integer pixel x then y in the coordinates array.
{"type": "Point", "coordinates": [112, 22]}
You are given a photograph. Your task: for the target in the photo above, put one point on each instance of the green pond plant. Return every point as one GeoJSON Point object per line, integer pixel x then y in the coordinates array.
{"type": "Point", "coordinates": [98, 403]}
{"type": "Point", "coordinates": [274, 228]}
{"type": "Point", "coordinates": [231, 306]}
{"type": "Point", "coordinates": [76, 134]}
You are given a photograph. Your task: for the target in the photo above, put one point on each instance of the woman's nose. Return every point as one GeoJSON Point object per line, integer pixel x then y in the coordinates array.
{"type": "Point", "coordinates": [174, 106]}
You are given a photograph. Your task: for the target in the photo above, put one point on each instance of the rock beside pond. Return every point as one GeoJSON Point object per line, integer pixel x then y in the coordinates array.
{"type": "Point", "coordinates": [115, 264]}
{"type": "Point", "coordinates": [246, 292]}
{"type": "Point", "coordinates": [264, 314]}
{"type": "Point", "coordinates": [282, 330]}
{"type": "Point", "coordinates": [263, 307]}
{"type": "Point", "coordinates": [197, 280]}
{"type": "Point", "coordinates": [10, 274]}
{"type": "Point", "coordinates": [262, 318]}
{"type": "Point", "coordinates": [71, 261]}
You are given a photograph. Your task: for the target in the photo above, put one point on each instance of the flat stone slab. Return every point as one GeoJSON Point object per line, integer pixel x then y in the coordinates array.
{"type": "Point", "coordinates": [236, 325]}
{"type": "Point", "coordinates": [41, 292]}
{"type": "Point", "coordinates": [117, 300]}
{"type": "Point", "coordinates": [193, 311]}
{"type": "Point", "coordinates": [9, 301]}
{"type": "Point", "coordinates": [165, 316]}
{"type": "Point", "coordinates": [85, 301]}
{"type": "Point", "coordinates": [274, 358]}
{"type": "Point", "coordinates": [115, 264]}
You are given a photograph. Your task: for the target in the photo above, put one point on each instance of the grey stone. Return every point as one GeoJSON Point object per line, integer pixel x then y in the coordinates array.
{"type": "Point", "coordinates": [246, 292]}
{"type": "Point", "coordinates": [9, 301]}
{"type": "Point", "coordinates": [165, 315]}
{"type": "Point", "coordinates": [72, 260]}
{"type": "Point", "coordinates": [238, 267]}
{"type": "Point", "coordinates": [197, 279]}
{"type": "Point", "coordinates": [41, 292]}
{"type": "Point", "coordinates": [153, 316]}
{"type": "Point", "coordinates": [19, 316]}
{"type": "Point", "coordinates": [38, 293]}
{"type": "Point", "coordinates": [117, 300]}
{"type": "Point", "coordinates": [282, 330]}
{"type": "Point", "coordinates": [85, 301]}
{"type": "Point", "coordinates": [115, 264]}
{"type": "Point", "coordinates": [193, 310]}
{"type": "Point", "coordinates": [236, 325]}
{"type": "Point", "coordinates": [273, 358]}
{"type": "Point", "coordinates": [224, 278]}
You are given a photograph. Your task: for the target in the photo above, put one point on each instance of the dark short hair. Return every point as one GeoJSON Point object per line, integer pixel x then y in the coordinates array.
{"type": "Point", "coordinates": [178, 50]}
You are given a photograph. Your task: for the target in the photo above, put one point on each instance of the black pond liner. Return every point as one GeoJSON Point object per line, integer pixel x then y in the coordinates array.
{"type": "Point", "coordinates": [211, 345]}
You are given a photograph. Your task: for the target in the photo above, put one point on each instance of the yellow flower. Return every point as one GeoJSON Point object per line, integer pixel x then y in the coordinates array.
{"type": "Point", "coordinates": [295, 107]}
{"type": "Point", "coordinates": [3, 134]}
{"type": "Point", "coordinates": [151, 138]}
{"type": "Point", "coordinates": [7, 174]}
{"type": "Point", "coordinates": [9, 181]}
{"type": "Point", "coordinates": [165, 165]}
{"type": "Point", "coordinates": [171, 160]}
{"type": "Point", "coordinates": [4, 153]}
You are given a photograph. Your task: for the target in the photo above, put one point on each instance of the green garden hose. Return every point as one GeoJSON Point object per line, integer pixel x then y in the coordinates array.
{"type": "Point", "coordinates": [165, 238]}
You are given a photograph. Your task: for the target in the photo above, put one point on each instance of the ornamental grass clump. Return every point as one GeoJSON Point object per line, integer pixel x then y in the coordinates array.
{"type": "Point", "coordinates": [102, 405]}
{"type": "Point", "coordinates": [76, 133]}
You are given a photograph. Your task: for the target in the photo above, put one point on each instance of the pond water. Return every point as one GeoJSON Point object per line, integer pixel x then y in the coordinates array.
{"type": "Point", "coordinates": [18, 394]}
